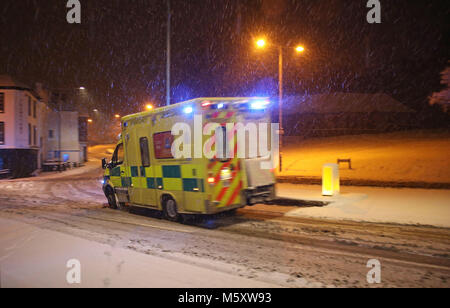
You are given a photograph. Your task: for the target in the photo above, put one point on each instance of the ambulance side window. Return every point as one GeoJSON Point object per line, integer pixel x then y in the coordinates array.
{"type": "Point", "coordinates": [145, 153]}
{"type": "Point", "coordinates": [162, 143]}
{"type": "Point", "coordinates": [117, 158]}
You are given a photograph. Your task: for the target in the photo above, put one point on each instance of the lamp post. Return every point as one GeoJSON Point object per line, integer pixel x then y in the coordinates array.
{"type": "Point", "coordinates": [168, 50]}
{"type": "Point", "coordinates": [261, 44]}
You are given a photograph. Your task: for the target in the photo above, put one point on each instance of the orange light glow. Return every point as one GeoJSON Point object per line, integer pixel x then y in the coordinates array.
{"type": "Point", "coordinates": [300, 49]}
{"type": "Point", "coordinates": [90, 120]}
{"type": "Point", "coordinates": [211, 180]}
{"type": "Point", "coordinates": [149, 106]}
{"type": "Point", "coordinates": [117, 116]}
{"type": "Point", "coordinates": [261, 43]}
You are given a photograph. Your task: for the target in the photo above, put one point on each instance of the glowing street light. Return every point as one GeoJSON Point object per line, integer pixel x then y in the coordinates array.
{"type": "Point", "coordinates": [149, 107]}
{"type": "Point", "coordinates": [261, 43]}
{"type": "Point", "coordinates": [300, 49]}
{"type": "Point", "coordinates": [82, 88]}
{"type": "Point", "coordinates": [90, 121]}
{"type": "Point", "coordinates": [117, 116]}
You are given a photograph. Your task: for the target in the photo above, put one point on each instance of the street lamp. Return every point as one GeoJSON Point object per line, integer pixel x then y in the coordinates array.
{"type": "Point", "coordinates": [149, 107]}
{"type": "Point", "coordinates": [300, 49]}
{"type": "Point", "coordinates": [260, 44]}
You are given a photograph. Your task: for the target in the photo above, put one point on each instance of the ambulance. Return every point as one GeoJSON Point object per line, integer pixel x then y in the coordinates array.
{"type": "Point", "coordinates": [144, 172]}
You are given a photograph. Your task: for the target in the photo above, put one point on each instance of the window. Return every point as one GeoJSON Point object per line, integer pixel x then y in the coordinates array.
{"type": "Point", "coordinates": [34, 135]}
{"type": "Point", "coordinates": [221, 142]}
{"type": "Point", "coordinates": [2, 102]}
{"type": "Point", "coordinates": [50, 134]}
{"type": "Point", "coordinates": [162, 143]}
{"type": "Point", "coordinates": [145, 155]}
{"type": "Point", "coordinates": [34, 109]}
{"type": "Point", "coordinates": [29, 134]}
{"type": "Point", "coordinates": [2, 132]}
{"type": "Point", "coordinates": [118, 155]}
{"type": "Point", "coordinates": [29, 106]}
{"type": "Point", "coordinates": [82, 129]}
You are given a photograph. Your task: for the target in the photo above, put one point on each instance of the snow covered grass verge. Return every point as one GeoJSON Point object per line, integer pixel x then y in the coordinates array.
{"type": "Point", "coordinates": [408, 158]}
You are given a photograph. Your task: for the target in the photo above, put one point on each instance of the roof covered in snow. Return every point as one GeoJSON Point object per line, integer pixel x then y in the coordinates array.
{"type": "Point", "coordinates": [344, 103]}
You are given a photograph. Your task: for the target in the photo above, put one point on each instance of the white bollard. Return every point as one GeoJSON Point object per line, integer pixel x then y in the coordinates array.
{"type": "Point", "coordinates": [330, 180]}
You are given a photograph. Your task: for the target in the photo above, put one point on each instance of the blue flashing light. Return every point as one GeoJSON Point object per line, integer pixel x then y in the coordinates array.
{"type": "Point", "coordinates": [220, 106]}
{"type": "Point", "coordinates": [259, 105]}
{"type": "Point", "coordinates": [188, 110]}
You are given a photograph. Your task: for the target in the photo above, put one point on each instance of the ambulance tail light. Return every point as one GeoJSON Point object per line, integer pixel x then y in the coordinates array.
{"type": "Point", "coordinates": [206, 104]}
{"type": "Point", "coordinates": [211, 179]}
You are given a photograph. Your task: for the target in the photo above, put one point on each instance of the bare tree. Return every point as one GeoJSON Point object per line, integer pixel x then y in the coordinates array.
{"type": "Point", "coordinates": [442, 97]}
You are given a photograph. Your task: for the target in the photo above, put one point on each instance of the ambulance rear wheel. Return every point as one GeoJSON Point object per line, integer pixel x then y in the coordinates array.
{"type": "Point", "coordinates": [171, 209]}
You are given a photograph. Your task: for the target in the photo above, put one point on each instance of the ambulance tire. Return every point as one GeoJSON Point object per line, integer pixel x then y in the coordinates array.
{"type": "Point", "coordinates": [111, 199]}
{"type": "Point", "coordinates": [170, 209]}
{"type": "Point", "coordinates": [113, 202]}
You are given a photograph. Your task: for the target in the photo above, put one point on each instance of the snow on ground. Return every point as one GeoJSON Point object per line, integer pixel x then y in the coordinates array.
{"type": "Point", "coordinates": [95, 154]}
{"type": "Point", "coordinates": [415, 156]}
{"type": "Point", "coordinates": [373, 204]}
{"type": "Point", "coordinates": [33, 257]}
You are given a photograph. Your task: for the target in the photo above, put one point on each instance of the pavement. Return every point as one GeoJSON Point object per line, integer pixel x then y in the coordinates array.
{"type": "Point", "coordinates": [32, 257]}
{"type": "Point", "coordinates": [373, 204]}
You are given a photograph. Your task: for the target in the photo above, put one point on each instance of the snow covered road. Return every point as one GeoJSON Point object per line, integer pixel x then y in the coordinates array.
{"type": "Point", "coordinates": [45, 221]}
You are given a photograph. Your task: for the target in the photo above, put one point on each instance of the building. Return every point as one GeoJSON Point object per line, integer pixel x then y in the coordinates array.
{"type": "Point", "coordinates": [33, 131]}
{"type": "Point", "coordinates": [337, 114]}
{"type": "Point", "coordinates": [20, 136]}
{"type": "Point", "coordinates": [67, 137]}
{"type": "Point", "coordinates": [43, 111]}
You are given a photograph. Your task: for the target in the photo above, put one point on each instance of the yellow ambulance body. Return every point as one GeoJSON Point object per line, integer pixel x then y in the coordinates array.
{"type": "Point", "coordinates": [143, 172]}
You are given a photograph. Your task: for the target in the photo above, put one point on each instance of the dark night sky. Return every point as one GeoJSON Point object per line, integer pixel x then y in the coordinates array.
{"type": "Point", "coordinates": [118, 51]}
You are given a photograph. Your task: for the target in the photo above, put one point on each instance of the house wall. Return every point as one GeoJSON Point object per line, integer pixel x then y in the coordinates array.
{"type": "Point", "coordinates": [64, 123]}
{"type": "Point", "coordinates": [43, 115]}
{"type": "Point", "coordinates": [17, 153]}
{"type": "Point", "coordinates": [24, 116]}
{"type": "Point", "coordinates": [8, 118]}
{"type": "Point", "coordinates": [16, 120]}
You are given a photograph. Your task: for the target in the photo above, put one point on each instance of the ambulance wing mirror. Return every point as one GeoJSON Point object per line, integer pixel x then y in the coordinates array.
{"type": "Point", "coordinates": [104, 164]}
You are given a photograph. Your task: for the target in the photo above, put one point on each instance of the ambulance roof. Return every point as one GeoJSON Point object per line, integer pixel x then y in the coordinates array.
{"type": "Point", "coordinates": [190, 102]}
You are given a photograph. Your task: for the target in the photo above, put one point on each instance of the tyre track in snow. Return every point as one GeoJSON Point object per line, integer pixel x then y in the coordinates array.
{"type": "Point", "coordinates": [74, 207]}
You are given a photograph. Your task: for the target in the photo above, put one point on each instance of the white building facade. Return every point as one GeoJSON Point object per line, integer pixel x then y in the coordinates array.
{"type": "Point", "coordinates": [31, 133]}
{"type": "Point", "coordinates": [19, 132]}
